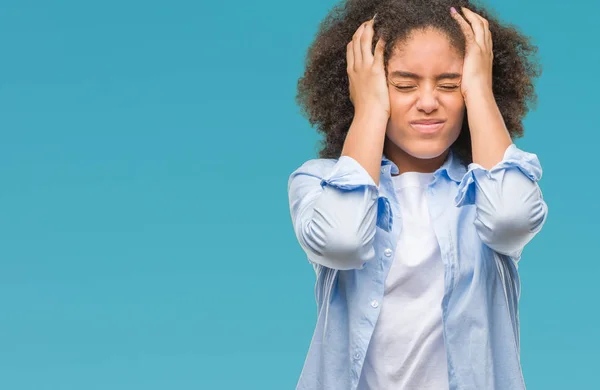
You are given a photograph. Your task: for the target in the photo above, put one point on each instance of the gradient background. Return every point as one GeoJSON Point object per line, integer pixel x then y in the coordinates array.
{"type": "Point", "coordinates": [145, 235]}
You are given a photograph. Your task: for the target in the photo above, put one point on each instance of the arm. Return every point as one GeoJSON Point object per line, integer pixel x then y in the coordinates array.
{"type": "Point", "coordinates": [334, 212]}
{"type": "Point", "coordinates": [334, 209]}
{"type": "Point", "coordinates": [503, 180]}
{"type": "Point", "coordinates": [510, 209]}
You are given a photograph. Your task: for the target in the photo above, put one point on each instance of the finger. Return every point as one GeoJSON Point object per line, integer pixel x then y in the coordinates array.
{"type": "Point", "coordinates": [476, 25]}
{"type": "Point", "coordinates": [349, 57]}
{"type": "Point", "coordinates": [366, 43]}
{"type": "Point", "coordinates": [487, 34]}
{"type": "Point", "coordinates": [379, 50]}
{"type": "Point", "coordinates": [465, 27]}
{"type": "Point", "coordinates": [356, 46]}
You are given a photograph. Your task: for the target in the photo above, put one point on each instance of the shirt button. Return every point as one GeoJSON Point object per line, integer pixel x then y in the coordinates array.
{"type": "Point", "coordinates": [357, 355]}
{"type": "Point", "coordinates": [387, 252]}
{"type": "Point", "coordinates": [374, 303]}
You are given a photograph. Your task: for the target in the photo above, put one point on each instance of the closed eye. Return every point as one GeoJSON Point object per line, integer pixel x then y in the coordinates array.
{"type": "Point", "coordinates": [446, 87]}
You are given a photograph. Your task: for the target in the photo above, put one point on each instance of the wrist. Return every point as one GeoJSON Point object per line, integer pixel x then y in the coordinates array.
{"type": "Point", "coordinates": [478, 94]}
{"type": "Point", "coordinates": [374, 114]}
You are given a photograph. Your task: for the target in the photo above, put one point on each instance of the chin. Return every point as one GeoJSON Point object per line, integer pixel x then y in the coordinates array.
{"type": "Point", "coordinates": [426, 150]}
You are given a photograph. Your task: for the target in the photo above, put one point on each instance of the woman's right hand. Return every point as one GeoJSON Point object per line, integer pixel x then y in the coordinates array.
{"type": "Point", "coordinates": [366, 73]}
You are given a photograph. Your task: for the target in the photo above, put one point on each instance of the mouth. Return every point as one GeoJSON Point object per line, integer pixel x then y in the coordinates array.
{"type": "Point", "coordinates": [427, 128]}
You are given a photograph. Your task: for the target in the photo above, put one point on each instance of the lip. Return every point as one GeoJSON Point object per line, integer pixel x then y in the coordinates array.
{"type": "Point", "coordinates": [427, 128]}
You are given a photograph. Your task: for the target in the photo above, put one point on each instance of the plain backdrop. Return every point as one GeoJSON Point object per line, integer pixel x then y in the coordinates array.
{"type": "Point", "coordinates": [145, 235]}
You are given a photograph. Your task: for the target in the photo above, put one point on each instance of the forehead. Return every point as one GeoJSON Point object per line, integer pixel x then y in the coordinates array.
{"type": "Point", "coordinates": [425, 52]}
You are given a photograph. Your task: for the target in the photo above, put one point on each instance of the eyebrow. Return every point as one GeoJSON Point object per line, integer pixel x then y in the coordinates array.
{"type": "Point", "coordinates": [401, 73]}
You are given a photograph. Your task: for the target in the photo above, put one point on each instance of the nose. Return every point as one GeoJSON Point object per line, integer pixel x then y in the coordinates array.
{"type": "Point", "coordinates": [427, 100]}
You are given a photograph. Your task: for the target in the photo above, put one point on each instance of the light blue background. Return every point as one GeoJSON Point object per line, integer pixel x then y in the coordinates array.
{"type": "Point", "coordinates": [145, 235]}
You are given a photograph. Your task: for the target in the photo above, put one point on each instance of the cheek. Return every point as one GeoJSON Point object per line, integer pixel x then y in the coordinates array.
{"type": "Point", "coordinates": [400, 104]}
{"type": "Point", "coordinates": [455, 108]}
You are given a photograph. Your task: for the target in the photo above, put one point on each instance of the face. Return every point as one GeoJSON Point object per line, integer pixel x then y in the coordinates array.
{"type": "Point", "coordinates": [431, 92]}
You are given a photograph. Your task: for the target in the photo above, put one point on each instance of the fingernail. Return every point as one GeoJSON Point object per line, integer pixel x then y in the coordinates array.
{"type": "Point", "coordinates": [453, 10]}
{"type": "Point", "coordinates": [374, 16]}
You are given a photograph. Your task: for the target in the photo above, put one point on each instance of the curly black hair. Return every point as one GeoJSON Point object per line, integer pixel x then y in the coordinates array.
{"type": "Point", "coordinates": [322, 91]}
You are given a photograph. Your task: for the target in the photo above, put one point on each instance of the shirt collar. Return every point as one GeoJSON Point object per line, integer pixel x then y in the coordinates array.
{"type": "Point", "coordinates": [453, 168]}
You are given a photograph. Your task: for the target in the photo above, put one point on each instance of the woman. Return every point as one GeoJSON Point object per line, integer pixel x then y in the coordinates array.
{"type": "Point", "coordinates": [416, 214]}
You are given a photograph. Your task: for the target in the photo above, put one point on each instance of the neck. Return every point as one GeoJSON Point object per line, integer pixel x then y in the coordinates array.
{"type": "Point", "coordinates": [409, 163]}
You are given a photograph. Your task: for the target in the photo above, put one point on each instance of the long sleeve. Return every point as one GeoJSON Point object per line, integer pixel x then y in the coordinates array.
{"type": "Point", "coordinates": [510, 209]}
{"type": "Point", "coordinates": [333, 205]}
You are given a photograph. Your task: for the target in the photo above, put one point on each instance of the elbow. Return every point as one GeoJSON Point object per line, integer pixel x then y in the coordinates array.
{"type": "Point", "coordinates": [346, 252]}
{"type": "Point", "coordinates": [511, 229]}
{"type": "Point", "coordinates": [338, 229]}
{"type": "Point", "coordinates": [338, 247]}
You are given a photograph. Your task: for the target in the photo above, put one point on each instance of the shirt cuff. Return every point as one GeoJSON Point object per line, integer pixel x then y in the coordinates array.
{"type": "Point", "coordinates": [349, 174]}
{"type": "Point", "coordinates": [514, 157]}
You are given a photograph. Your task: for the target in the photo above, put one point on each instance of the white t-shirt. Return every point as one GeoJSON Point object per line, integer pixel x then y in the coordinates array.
{"type": "Point", "coordinates": [407, 348]}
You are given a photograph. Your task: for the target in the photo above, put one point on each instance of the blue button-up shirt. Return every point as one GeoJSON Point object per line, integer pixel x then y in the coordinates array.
{"type": "Point", "coordinates": [349, 227]}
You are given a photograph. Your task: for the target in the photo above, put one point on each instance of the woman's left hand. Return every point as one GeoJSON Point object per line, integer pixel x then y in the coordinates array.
{"type": "Point", "coordinates": [479, 56]}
